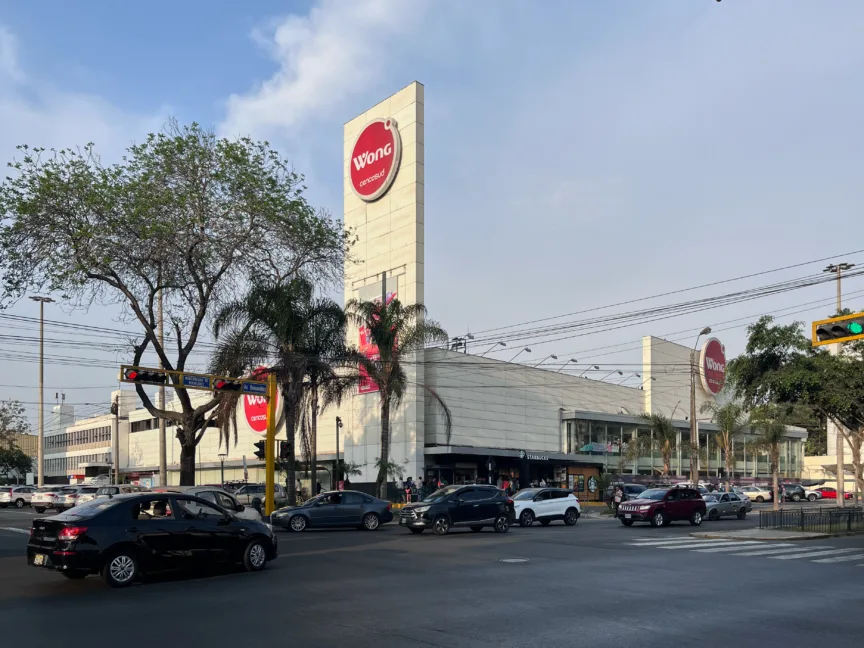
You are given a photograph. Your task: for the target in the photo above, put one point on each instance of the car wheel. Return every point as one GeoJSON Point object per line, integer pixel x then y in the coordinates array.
{"type": "Point", "coordinates": [571, 517]}
{"type": "Point", "coordinates": [713, 515]}
{"type": "Point", "coordinates": [658, 519]}
{"type": "Point", "coordinates": [371, 521]}
{"type": "Point", "coordinates": [796, 497]}
{"type": "Point", "coordinates": [19, 503]}
{"type": "Point", "coordinates": [811, 498]}
{"type": "Point", "coordinates": [121, 568]}
{"type": "Point", "coordinates": [742, 513]}
{"type": "Point", "coordinates": [526, 519]}
{"type": "Point", "coordinates": [255, 556]}
{"type": "Point", "coordinates": [417, 531]}
{"type": "Point", "coordinates": [696, 518]}
{"type": "Point", "coordinates": [502, 524]}
{"type": "Point", "coordinates": [626, 522]}
{"type": "Point", "coordinates": [40, 509]}
{"type": "Point", "coordinates": [760, 499]}
{"type": "Point", "coordinates": [74, 575]}
{"type": "Point", "coordinates": [476, 529]}
{"type": "Point", "coordinates": [441, 525]}
{"type": "Point", "coordinates": [297, 523]}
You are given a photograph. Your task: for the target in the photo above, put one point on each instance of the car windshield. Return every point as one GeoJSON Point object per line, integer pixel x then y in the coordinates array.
{"type": "Point", "coordinates": [47, 489]}
{"type": "Point", "coordinates": [441, 494]}
{"type": "Point", "coordinates": [653, 494]}
{"type": "Point", "coordinates": [526, 494]}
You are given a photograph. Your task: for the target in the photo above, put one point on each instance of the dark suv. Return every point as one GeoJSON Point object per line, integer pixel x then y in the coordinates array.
{"type": "Point", "coordinates": [794, 492]}
{"type": "Point", "coordinates": [662, 506]}
{"type": "Point", "coordinates": [475, 507]}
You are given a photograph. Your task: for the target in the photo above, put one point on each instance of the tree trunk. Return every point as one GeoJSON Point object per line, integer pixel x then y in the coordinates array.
{"type": "Point", "coordinates": [730, 458]}
{"type": "Point", "coordinates": [290, 434]}
{"type": "Point", "coordinates": [855, 441]}
{"type": "Point", "coordinates": [775, 464]}
{"type": "Point", "coordinates": [187, 463]}
{"type": "Point", "coordinates": [381, 481]}
{"type": "Point", "coordinates": [313, 441]}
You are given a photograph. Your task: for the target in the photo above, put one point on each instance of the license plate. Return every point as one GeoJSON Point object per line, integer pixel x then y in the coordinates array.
{"type": "Point", "coordinates": [401, 521]}
{"type": "Point", "coordinates": [39, 559]}
{"type": "Point", "coordinates": [627, 516]}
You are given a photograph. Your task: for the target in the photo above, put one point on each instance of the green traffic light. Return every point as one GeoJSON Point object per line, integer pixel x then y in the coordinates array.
{"type": "Point", "coordinates": [855, 328]}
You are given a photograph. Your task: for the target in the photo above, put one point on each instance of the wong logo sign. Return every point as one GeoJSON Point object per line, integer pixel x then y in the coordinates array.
{"type": "Point", "coordinates": [255, 407]}
{"type": "Point", "coordinates": [375, 159]}
{"type": "Point", "coordinates": [713, 364]}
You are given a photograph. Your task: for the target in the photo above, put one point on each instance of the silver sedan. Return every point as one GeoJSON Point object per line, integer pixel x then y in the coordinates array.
{"type": "Point", "coordinates": [718, 505]}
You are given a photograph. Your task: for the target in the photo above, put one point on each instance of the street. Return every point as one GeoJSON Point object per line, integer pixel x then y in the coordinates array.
{"type": "Point", "coordinates": [597, 583]}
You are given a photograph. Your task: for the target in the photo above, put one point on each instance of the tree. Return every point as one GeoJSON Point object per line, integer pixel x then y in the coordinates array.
{"type": "Point", "coordinates": [184, 219]}
{"type": "Point", "coordinates": [664, 439]}
{"type": "Point", "coordinates": [733, 424]}
{"type": "Point", "coordinates": [13, 421]}
{"type": "Point", "coordinates": [770, 427]}
{"type": "Point", "coordinates": [13, 459]}
{"type": "Point", "coordinates": [275, 325]}
{"type": "Point", "coordinates": [398, 331]}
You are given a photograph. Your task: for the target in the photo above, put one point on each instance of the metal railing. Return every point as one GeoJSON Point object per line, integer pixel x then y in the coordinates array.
{"type": "Point", "coordinates": [819, 520]}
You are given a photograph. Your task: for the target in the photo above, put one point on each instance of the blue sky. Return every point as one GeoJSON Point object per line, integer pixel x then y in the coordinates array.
{"type": "Point", "coordinates": [578, 153]}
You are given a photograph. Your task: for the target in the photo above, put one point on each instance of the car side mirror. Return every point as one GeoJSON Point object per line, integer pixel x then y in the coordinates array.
{"type": "Point", "coordinates": [240, 508]}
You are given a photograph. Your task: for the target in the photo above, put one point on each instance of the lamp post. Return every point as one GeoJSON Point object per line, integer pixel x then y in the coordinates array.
{"type": "Point", "coordinates": [597, 367]}
{"type": "Point", "coordinates": [40, 447]}
{"type": "Point", "coordinates": [694, 432]}
{"type": "Point", "coordinates": [338, 468]}
{"type": "Point", "coordinates": [526, 349]}
{"type": "Point", "coordinates": [565, 364]}
{"type": "Point", "coordinates": [618, 371]}
{"type": "Point", "coordinates": [222, 457]}
{"type": "Point", "coordinates": [635, 375]}
{"type": "Point", "coordinates": [497, 344]}
{"type": "Point", "coordinates": [551, 355]}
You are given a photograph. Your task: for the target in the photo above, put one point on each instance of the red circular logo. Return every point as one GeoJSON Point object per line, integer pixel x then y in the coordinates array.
{"type": "Point", "coordinates": [255, 406]}
{"type": "Point", "coordinates": [713, 366]}
{"type": "Point", "coordinates": [375, 159]}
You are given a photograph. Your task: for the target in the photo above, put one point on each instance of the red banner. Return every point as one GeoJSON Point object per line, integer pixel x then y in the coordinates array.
{"type": "Point", "coordinates": [370, 350]}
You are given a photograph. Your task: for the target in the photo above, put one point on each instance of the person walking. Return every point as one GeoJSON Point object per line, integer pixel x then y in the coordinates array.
{"type": "Point", "coordinates": [617, 498]}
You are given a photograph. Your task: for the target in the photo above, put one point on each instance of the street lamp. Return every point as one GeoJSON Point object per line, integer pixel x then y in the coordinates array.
{"type": "Point", "coordinates": [40, 447]}
{"type": "Point", "coordinates": [492, 347]}
{"type": "Point", "coordinates": [526, 349]}
{"type": "Point", "coordinates": [457, 342]}
{"type": "Point", "coordinates": [636, 375]}
{"type": "Point", "coordinates": [642, 386]}
{"type": "Point", "coordinates": [694, 432]}
{"type": "Point", "coordinates": [565, 364]}
{"type": "Point", "coordinates": [618, 371]}
{"type": "Point", "coordinates": [597, 367]}
{"type": "Point", "coordinates": [551, 355]}
{"type": "Point", "coordinates": [338, 468]}
{"type": "Point", "coordinates": [222, 457]}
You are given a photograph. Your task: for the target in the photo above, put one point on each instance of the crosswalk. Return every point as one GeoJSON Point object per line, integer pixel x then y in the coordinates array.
{"type": "Point", "coordinates": [822, 554]}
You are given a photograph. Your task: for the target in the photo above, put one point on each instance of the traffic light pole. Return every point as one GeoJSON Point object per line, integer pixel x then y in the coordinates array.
{"type": "Point", "coordinates": [270, 449]}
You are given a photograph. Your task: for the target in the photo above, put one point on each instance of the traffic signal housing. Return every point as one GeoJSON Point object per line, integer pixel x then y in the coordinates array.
{"type": "Point", "coordinates": [226, 385]}
{"type": "Point", "coordinates": [838, 329]}
{"type": "Point", "coordinates": [145, 376]}
{"type": "Point", "coordinates": [283, 450]}
{"type": "Point", "coordinates": [261, 449]}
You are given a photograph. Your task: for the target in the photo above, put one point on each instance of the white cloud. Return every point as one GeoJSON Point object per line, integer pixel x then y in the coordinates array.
{"type": "Point", "coordinates": [8, 55]}
{"type": "Point", "coordinates": [338, 50]}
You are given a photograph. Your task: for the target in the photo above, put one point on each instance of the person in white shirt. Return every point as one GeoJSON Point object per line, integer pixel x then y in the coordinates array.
{"type": "Point", "coordinates": [542, 483]}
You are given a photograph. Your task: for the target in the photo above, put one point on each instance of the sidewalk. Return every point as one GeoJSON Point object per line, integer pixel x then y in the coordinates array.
{"type": "Point", "coordinates": [760, 534]}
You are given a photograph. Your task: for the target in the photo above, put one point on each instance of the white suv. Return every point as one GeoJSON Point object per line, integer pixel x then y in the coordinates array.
{"type": "Point", "coordinates": [546, 505]}
{"type": "Point", "coordinates": [17, 496]}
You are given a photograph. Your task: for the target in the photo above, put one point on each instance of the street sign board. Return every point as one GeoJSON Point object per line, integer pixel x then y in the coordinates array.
{"type": "Point", "coordinates": [255, 388]}
{"type": "Point", "coordinates": [193, 380]}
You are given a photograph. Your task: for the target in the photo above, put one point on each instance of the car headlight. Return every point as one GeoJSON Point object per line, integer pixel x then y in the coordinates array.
{"type": "Point", "coordinates": [422, 509]}
{"type": "Point", "coordinates": [644, 508]}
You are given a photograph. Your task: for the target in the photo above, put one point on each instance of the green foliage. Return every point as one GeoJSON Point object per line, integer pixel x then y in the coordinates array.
{"type": "Point", "coordinates": [732, 423]}
{"type": "Point", "coordinates": [393, 469]}
{"type": "Point", "coordinates": [13, 421]}
{"type": "Point", "coordinates": [13, 459]}
{"type": "Point", "coordinates": [664, 440]}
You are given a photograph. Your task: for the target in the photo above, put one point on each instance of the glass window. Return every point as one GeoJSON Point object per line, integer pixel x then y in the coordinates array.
{"type": "Point", "coordinates": [153, 509]}
{"type": "Point", "coordinates": [352, 498]}
{"type": "Point", "coordinates": [613, 438]}
{"type": "Point", "coordinates": [560, 494]}
{"type": "Point", "coordinates": [581, 440]}
{"type": "Point", "coordinates": [471, 495]}
{"type": "Point", "coordinates": [724, 498]}
{"type": "Point", "coordinates": [734, 498]}
{"type": "Point", "coordinates": [198, 510]}
{"type": "Point", "coordinates": [210, 496]}
{"type": "Point", "coordinates": [525, 494]}
{"type": "Point", "coordinates": [544, 495]}
{"type": "Point", "coordinates": [674, 496]}
{"type": "Point", "coordinates": [225, 502]}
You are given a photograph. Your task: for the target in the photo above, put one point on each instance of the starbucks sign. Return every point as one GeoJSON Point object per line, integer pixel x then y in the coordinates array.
{"type": "Point", "coordinates": [592, 484]}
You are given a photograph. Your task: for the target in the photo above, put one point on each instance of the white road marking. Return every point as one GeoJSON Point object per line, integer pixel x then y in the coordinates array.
{"type": "Point", "coordinates": [840, 559]}
{"type": "Point", "coordinates": [27, 531]}
{"type": "Point", "coordinates": [765, 552]}
{"type": "Point", "coordinates": [812, 555]}
{"type": "Point", "coordinates": [730, 547]}
{"type": "Point", "coordinates": [651, 543]}
{"type": "Point", "coordinates": [703, 544]}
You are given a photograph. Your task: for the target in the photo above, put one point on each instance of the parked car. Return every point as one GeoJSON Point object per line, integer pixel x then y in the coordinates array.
{"type": "Point", "coordinates": [662, 506]}
{"type": "Point", "coordinates": [46, 497]}
{"type": "Point", "coordinates": [545, 505]}
{"type": "Point", "coordinates": [123, 536]}
{"type": "Point", "coordinates": [758, 493]}
{"type": "Point", "coordinates": [253, 495]}
{"type": "Point", "coordinates": [335, 509]}
{"type": "Point", "coordinates": [69, 497]}
{"type": "Point", "coordinates": [17, 496]}
{"type": "Point", "coordinates": [813, 495]}
{"type": "Point", "coordinates": [831, 493]}
{"type": "Point", "coordinates": [109, 491]}
{"type": "Point", "coordinates": [719, 505]}
{"type": "Point", "coordinates": [474, 507]}
{"type": "Point", "coordinates": [216, 495]}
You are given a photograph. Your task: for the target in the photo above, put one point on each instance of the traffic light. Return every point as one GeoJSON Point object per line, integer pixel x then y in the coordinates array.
{"type": "Point", "coordinates": [149, 376]}
{"type": "Point", "coordinates": [261, 451]}
{"type": "Point", "coordinates": [226, 385]}
{"type": "Point", "coordinates": [838, 329]}
{"type": "Point", "coordinates": [283, 450]}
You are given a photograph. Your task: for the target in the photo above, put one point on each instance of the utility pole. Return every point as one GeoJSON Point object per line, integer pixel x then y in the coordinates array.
{"type": "Point", "coordinates": [40, 447]}
{"type": "Point", "coordinates": [835, 350]}
{"type": "Point", "coordinates": [694, 429]}
{"type": "Point", "coordinates": [115, 440]}
{"type": "Point", "coordinates": [338, 468]}
{"type": "Point", "coordinates": [163, 460]}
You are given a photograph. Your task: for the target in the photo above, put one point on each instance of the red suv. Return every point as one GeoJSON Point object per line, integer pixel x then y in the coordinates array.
{"type": "Point", "coordinates": [662, 506]}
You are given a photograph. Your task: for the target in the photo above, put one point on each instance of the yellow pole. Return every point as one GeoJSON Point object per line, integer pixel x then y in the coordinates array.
{"type": "Point", "coordinates": [270, 448]}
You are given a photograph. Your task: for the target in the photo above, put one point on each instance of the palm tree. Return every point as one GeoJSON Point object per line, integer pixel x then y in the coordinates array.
{"type": "Point", "coordinates": [272, 326]}
{"type": "Point", "coordinates": [664, 439]}
{"type": "Point", "coordinates": [733, 424]}
{"type": "Point", "coordinates": [770, 428]}
{"type": "Point", "coordinates": [398, 331]}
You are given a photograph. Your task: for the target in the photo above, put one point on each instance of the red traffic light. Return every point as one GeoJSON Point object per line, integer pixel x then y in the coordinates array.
{"type": "Point", "coordinates": [131, 374]}
{"type": "Point", "coordinates": [221, 384]}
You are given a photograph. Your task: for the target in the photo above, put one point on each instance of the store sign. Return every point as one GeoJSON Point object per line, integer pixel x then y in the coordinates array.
{"type": "Point", "coordinates": [532, 457]}
{"type": "Point", "coordinates": [375, 159]}
{"type": "Point", "coordinates": [255, 406]}
{"type": "Point", "coordinates": [592, 484]}
{"type": "Point", "coordinates": [712, 360]}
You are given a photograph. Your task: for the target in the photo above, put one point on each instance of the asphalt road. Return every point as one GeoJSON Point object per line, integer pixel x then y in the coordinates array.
{"type": "Point", "coordinates": [595, 584]}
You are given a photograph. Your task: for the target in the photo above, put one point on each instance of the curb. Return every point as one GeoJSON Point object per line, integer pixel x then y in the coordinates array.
{"type": "Point", "coordinates": [773, 537]}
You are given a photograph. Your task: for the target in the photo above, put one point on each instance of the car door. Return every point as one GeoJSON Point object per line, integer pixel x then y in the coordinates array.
{"type": "Point", "coordinates": [325, 511]}
{"type": "Point", "coordinates": [488, 504]}
{"type": "Point", "coordinates": [209, 530]}
{"type": "Point", "coordinates": [674, 505]}
{"type": "Point", "coordinates": [466, 509]}
{"type": "Point", "coordinates": [351, 510]}
{"type": "Point", "coordinates": [158, 534]}
{"type": "Point", "coordinates": [725, 505]}
{"type": "Point", "coordinates": [560, 503]}
{"type": "Point", "coordinates": [541, 504]}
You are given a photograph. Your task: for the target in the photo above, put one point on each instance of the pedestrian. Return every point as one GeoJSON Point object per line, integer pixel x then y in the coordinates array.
{"type": "Point", "coordinates": [542, 483]}
{"type": "Point", "coordinates": [617, 498]}
{"type": "Point", "coordinates": [320, 489]}
{"type": "Point", "coordinates": [500, 482]}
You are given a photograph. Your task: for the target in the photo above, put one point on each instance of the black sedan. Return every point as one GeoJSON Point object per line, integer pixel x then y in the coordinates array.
{"type": "Point", "coordinates": [335, 509]}
{"type": "Point", "coordinates": [126, 535]}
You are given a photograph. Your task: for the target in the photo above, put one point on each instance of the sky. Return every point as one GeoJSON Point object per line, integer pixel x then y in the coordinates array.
{"type": "Point", "coordinates": [578, 154]}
